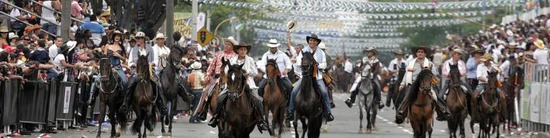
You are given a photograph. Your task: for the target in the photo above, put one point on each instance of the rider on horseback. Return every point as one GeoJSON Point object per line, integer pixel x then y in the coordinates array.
{"type": "Point", "coordinates": [142, 49]}
{"type": "Point", "coordinates": [283, 63]}
{"type": "Point", "coordinates": [319, 56]}
{"type": "Point", "coordinates": [249, 66]}
{"type": "Point", "coordinates": [445, 71]}
{"type": "Point", "coordinates": [395, 65]}
{"type": "Point", "coordinates": [214, 69]}
{"type": "Point", "coordinates": [369, 59]}
{"type": "Point", "coordinates": [413, 69]}
{"type": "Point", "coordinates": [482, 71]}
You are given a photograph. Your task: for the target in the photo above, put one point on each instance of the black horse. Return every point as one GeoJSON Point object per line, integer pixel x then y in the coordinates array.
{"type": "Point", "coordinates": [173, 85]}
{"type": "Point", "coordinates": [144, 99]}
{"type": "Point", "coordinates": [309, 102]}
{"type": "Point", "coordinates": [110, 87]}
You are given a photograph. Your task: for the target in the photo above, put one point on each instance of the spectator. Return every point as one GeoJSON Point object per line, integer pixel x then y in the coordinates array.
{"type": "Point", "coordinates": [40, 54]}
{"type": "Point", "coordinates": [48, 20]}
{"type": "Point", "coordinates": [96, 29]}
{"type": "Point", "coordinates": [61, 61]}
{"type": "Point", "coordinates": [13, 38]}
{"type": "Point", "coordinates": [18, 14]}
{"type": "Point", "coordinates": [541, 54]}
{"type": "Point", "coordinates": [76, 10]}
{"type": "Point", "coordinates": [196, 82]}
{"type": "Point", "coordinates": [53, 48]}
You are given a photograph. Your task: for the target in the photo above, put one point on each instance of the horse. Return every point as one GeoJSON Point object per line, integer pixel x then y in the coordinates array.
{"type": "Point", "coordinates": [513, 85]}
{"type": "Point", "coordinates": [309, 101]}
{"type": "Point", "coordinates": [237, 114]}
{"type": "Point", "coordinates": [421, 110]}
{"type": "Point", "coordinates": [398, 95]}
{"type": "Point", "coordinates": [215, 94]}
{"type": "Point", "coordinates": [110, 93]}
{"type": "Point", "coordinates": [486, 107]}
{"type": "Point", "coordinates": [144, 99]}
{"type": "Point", "coordinates": [457, 103]}
{"type": "Point", "coordinates": [171, 87]}
{"type": "Point", "coordinates": [275, 98]}
{"type": "Point", "coordinates": [366, 100]}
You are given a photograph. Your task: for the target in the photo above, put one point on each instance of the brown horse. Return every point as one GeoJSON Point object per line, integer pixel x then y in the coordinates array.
{"type": "Point", "coordinates": [513, 86]}
{"type": "Point", "coordinates": [144, 99]}
{"type": "Point", "coordinates": [457, 103]}
{"type": "Point", "coordinates": [213, 105]}
{"type": "Point", "coordinates": [275, 98]}
{"type": "Point", "coordinates": [422, 108]}
{"type": "Point", "coordinates": [110, 93]}
{"type": "Point", "coordinates": [237, 115]}
{"type": "Point", "coordinates": [486, 107]}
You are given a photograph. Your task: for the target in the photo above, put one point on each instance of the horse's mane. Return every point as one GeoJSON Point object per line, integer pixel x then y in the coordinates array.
{"type": "Point", "coordinates": [143, 66]}
{"type": "Point", "coordinates": [418, 82]}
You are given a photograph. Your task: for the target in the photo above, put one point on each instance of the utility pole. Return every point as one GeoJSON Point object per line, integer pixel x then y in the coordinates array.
{"type": "Point", "coordinates": [194, 11]}
{"type": "Point", "coordinates": [169, 22]}
{"type": "Point", "coordinates": [65, 19]}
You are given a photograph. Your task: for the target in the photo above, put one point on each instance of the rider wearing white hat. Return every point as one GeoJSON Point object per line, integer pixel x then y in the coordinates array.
{"type": "Point", "coordinates": [283, 64]}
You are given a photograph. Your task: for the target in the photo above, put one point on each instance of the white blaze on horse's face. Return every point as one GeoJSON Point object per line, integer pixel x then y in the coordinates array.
{"type": "Point", "coordinates": [233, 77]}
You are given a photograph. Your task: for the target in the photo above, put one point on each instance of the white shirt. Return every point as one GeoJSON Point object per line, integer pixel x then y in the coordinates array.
{"type": "Point", "coordinates": [57, 62]}
{"type": "Point", "coordinates": [249, 67]}
{"type": "Point", "coordinates": [297, 67]}
{"type": "Point", "coordinates": [541, 55]}
{"type": "Point", "coordinates": [283, 61]}
{"type": "Point", "coordinates": [505, 68]}
{"type": "Point", "coordinates": [482, 71]}
{"type": "Point", "coordinates": [14, 13]}
{"type": "Point", "coordinates": [446, 71]}
{"type": "Point", "coordinates": [52, 51]}
{"type": "Point", "coordinates": [47, 14]}
{"type": "Point", "coordinates": [158, 51]}
{"type": "Point", "coordinates": [348, 67]}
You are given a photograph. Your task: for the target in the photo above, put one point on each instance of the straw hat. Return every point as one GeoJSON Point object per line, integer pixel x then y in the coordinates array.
{"type": "Point", "coordinates": [31, 28]}
{"type": "Point", "coordinates": [4, 29]}
{"type": "Point", "coordinates": [231, 40]}
{"type": "Point", "coordinates": [458, 50]}
{"type": "Point", "coordinates": [539, 43]}
{"type": "Point", "coordinates": [159, 36]}
{"type": "Point", "coordinates": [487, 57]}
{"type": "Point", "coordinates": [140, 35]}
{"type": "Point", "coordinates": [242, 44]}
{"type": "Point", "coordinates": [399, 52]}
{"type": "Point", "coordinates": [273, 43]}
{"type": "Point", "coordinates": [323, 46]}
{"type": "Point", "coordinates": [370, 49]}
{"type": "Point", "coordinates": [196, 66]}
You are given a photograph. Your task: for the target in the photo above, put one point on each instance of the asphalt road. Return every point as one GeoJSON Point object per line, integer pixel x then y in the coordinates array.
{"type": "Point", "coordinates": [345, 125]}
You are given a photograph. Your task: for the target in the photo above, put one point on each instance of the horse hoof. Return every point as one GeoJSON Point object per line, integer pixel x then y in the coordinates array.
{"type": "Point", "coordinates": [117, 134]}
{"type": "Point", "coordinates": [98, 137]}
{"type": "Point", "coordinates": [167, 134]}
{"type": "Point", "coordinates": [369, 131]}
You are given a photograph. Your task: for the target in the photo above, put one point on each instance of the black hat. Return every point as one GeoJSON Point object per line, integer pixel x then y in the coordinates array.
{"type": "Point", "coordinates": [242, 44]}
{"type": "Point", "coordinates": [426, 49]}
{"type": "Point", "coordinates": [314, 37]}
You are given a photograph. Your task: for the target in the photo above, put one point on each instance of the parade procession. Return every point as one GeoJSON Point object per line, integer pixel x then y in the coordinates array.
{"type": "Point", "coordinates": [275, 68]}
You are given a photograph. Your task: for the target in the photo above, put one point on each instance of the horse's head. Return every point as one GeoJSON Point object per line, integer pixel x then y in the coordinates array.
{"type": "Point", "coordinates": [455, 75]}
{"type": "Point", "coordinates": [105, 69]}
{"type": "Point", "coordinates": [223, 75]}
{"type": "Point", "coordinates": [366, 72]}
{"type": "Point", "coordinates": [236, 79]}
{"type": "Point", "coordinates": [271, 68]}
{"type": "Point", "coordinates": [424, 81]}
{"type": "Point", "coordinates": [176, 54]}
{"type": "Point", "coordinates": [308, 63]}
{"type": "Point", "coordinates": [492, 81]}
{"type": "Point", "coordinates": [142, 69]}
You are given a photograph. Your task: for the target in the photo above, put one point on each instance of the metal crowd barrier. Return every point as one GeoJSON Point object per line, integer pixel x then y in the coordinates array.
{"type": "Point", "coordinates": [535, 99]}
{"type": "Point", "coordinates": [37, 102]}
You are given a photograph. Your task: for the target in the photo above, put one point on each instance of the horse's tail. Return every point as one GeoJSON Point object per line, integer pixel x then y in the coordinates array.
{"type": "Point", "coordinates": [150, 121]}
{"type": "Point", "coordinates": [122, 120]}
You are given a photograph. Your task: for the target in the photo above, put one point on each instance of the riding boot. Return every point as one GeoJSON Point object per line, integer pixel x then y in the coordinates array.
{"type": "Point", "coordinates": [442, 111]}
{"type": "Point", "coordinates": [403, 108]}
{"type": "Point", "coordinates": [262, 125]}
{"type": "Point", "coordinates": [378, 94]}
{"type": "Point", "coordinates": [349, 102]}
{"type": "Point", "coordinates": [129, 92]}
{"type": "Point", "coordinates": [215, 119]}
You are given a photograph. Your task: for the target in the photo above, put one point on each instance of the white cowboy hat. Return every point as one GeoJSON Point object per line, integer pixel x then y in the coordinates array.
{"type": "Point", "coordinates": [159, 36]}
{"type": "Point", "coordinates": [12, 35]}
{"type": "Point", "coordinates": [140, 34]}
{"type": "Point", "coordinates": [273, 43]}
{"type": "Point", "coordinates": [196, 66]}
{"type": "Point", "coordinates": [322, 46]}
{"type": "Point", "coordinates": [231, 40]}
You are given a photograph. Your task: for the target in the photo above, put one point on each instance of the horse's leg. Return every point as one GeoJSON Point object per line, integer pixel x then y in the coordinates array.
{"type": "Point", "coordinates": [112, 120]}
{"type": "Point", "coordinates": [171, 115]}
{"type": "Point", "coordinates": [304, 126]}
{"type": "Point", "coordinates": [281, 118]}
{"type": "Point", "coordinates": [102, 111]}
{"type": "Point", "coordinates": [461, 124]}
{"type": "Point", "coordinates": [360, 117]}
{"type": "Point", "coordinates": [295, 124]}
{"type": "Point", "coordinates": [472, 122]}
{"type": "Point", "coordinates": [430, 130]}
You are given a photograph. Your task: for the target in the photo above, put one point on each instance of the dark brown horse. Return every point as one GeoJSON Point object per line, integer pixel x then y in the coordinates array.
{"type": "Point", "coordinates": [110, 93]}
{"type": "Point", "coordinates": [422, 107]}
{"type": "Point", "coordinates": [309, 102]}
{"type": "Point", "coordinates": [486, 107]}
{"type": "Point", "coordinates": [144, 99]}
{"type": "Point", "coordinates": [237, 116]}
{"type": "Point", "coordinates": [275, 98]}
{"type": "Point", "coordinates": [213, 101]}
{"type": "Point", "coordinates": [457, 103]}
{"type": "Point", "coordinates": [172, 86]}
{"type": "Point", "coordinates": [513, 86]}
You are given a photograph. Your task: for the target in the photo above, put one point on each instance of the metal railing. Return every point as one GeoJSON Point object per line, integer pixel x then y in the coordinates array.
{"type": "Point", "coordinates": [535, 98]}
{"type": "Point", "coordinates": [32, 13]}
{"type": "Point", "coordinates": [25, 22]}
